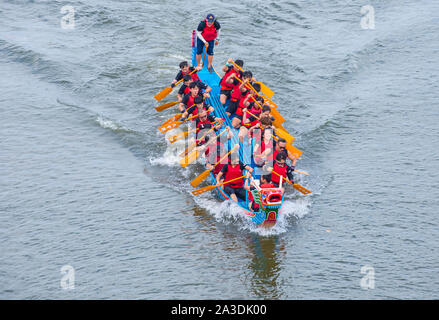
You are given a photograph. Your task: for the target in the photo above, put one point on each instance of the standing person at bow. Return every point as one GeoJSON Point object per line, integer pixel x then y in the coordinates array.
{"type": "Point", "coordinates": [208, 34]}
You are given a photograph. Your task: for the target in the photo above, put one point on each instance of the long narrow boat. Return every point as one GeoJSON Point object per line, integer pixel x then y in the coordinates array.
{"type": "Point", "coordinates": [270, 200]}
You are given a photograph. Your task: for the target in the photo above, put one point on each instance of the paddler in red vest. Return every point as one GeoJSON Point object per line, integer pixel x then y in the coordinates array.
{"type": "Point", "coordinates": [265, 183]}
{"type": "Point", "coordinates": [205, 120]}
{"type": "Point", "coordinates": [263, 150]}
{"type": "Point", "coordinates": [196, 108]}
{"type": "Point", "coordinates": [280, 146]}
{"type": "Point", "coordinates": [239, 94]}
{"type": "Point", "coordinates": [185, 89]}
{"type": "Point", "coordinates": [230, 71]}
{"type": "Point", "coordinates": [281, 167]}
{"type": "Point", "coordinates": [185, 69]}
{"type": "Point", "coordinates": [233, 170]}
{"type": "Point", "coordinates": [188, 100]}
{"type": "Point", "coordinates": [208, 32]}
{"type": "Point", "coordinates": [250, 110]}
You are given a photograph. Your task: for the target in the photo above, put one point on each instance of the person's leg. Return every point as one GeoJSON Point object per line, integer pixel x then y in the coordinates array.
{"type": "Point", "coordinates": [210, 55]}
{"type": "Point", "coordinates": [241, 193]}
{"type": "Point", "coordinates": [200, 47]}
{"type": "Point", "coordinates": [231, 192]}
{"type": "Point", "coordinates": [242, 133]}
{"type": "Point", "coordinates": [236, 122]}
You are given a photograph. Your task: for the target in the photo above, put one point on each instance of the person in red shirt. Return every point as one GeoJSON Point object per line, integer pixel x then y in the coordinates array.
{"type": "Point", "coordinates": [185, 69]}
{"type": "Point", "coordinates": [188, 100]}
{"type": "Point", "coordinates": [230, 171]}
{"type": "Point", "coordinates": [280, 146]}
{"type": "Point", "coordinates": [238, 92]}
{"type": "Point", "coordinates": [185, 89]}
{"type": "Point", "coordinates": [208, 32]}
{"type": "Point", "coordinates": [263, 150]}
{"type": "Point", "coordinates": [230, 71]}
{"type": "Point", "coordinates": [281, 167]}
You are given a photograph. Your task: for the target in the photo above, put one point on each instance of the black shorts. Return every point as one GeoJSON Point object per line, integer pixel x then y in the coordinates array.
{"type": "Point", "coordinates": [238, 116]}
{"type": "Point", "coordinates": [233, 105]}
{"type": "Point", "coordinates": [227, 93]}
{"type": "Point", "coordinates": [240, 192]}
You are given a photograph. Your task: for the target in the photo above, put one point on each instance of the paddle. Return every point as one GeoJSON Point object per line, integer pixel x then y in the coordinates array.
{"type": "Point", "coordinates": [295, 185]}
{"type": "Point", "coordinates": [294, 151]}
{"type": "Point", "coordinates": [173, 124]}
{"type": "Point", "coordinates": [166, 106]}
{"type": "Point", "coordinates": [278, 119]}
{"type": "Point", "coordinates": [209, 188]}
{"type": "Point", "coordinates": [265, 90]}
{"type": "Point", "coordinates": [179, 136]}
{"type": "Point", "coordinates": [205, 174]}
{"type": "Point", "coordinates": [159, 96]}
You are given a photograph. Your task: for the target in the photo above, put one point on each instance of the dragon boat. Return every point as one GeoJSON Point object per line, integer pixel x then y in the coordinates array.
{"type": "Point", "coordinates": [269, 200]}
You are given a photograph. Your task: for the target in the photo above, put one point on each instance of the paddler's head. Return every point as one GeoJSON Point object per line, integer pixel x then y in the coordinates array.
{"type": "Point", "coordinates": [210, 19]}
{"type": "Point", "coordinates": [239, 63]}
{"type": "Point", "coordinates": [187, 80]}
{"type": "Point", "coordinates": [202, 114]}
{"type": "Point", "coordinates": [184, 67]}
{"type": "Point", "coordinates": [281, 145]}
{"type": "Point", "coordinates": [257, 88]}
{"type": "Point", "coordinates": [265, 122]}
{"type": "Point", "coordinates": [266, 179]}
{"type": "Point", "coordinates": [266, 110]}
{"type": "Point", "coordinates": [198, 101]}
{"type": "Point", "coordinates": [281, 159]}
{"type": "Point", "coordinates": [194, 89]}
{"type": "Point", "coordinates": [247, 75]}
{"type": "Point", "coordinates": [234, 158]}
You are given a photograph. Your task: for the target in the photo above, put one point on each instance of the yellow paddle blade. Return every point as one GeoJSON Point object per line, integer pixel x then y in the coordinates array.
{"type": "Point", "coordinates": [173, 118]}
{"type": "Point", "coordinates": [265, 90]}
{"type": "Point", "coordinates": [170, 126]}
{"type": "Point", "coordinates": [294, 151]}
{"type": "Point", "coordinates": [191, 157]}
{"type": "Point", "coordinates": [301, 188]}
{"type": "Point", "coordinates": [178, 136]}
{"type": "Point", "coordinates": [166, 106]}
{"type": "Point", "coordinates": [277, 116]}
{"type": "Point", "coordinates": [203, 190]}
{"type": "Point", "coordinates": [159, 96]}
{"type": "Point", "coordinates": [285, 135]}
{"type": "Point", "coordinates": [200, 178]}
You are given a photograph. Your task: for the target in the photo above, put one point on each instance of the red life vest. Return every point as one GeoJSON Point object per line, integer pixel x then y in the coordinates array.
{"type": "Point", "coordinates": [236, 93]}
{"type": "Point", "coordinates": [190, 101]}
{"type": "Point", "coordinates": [219, 149]}
{"type": "Point", "coordinates": [280, 170]}
{"type": "Point", "coordinates": [224, 84]}
{"type": "Point", "coordinates": [256, 111]}
{"type": "Point", "coordinates": [202, 124]}
{"type": "Point", "coordinates": [194, 75]}
{"type": "Point", "coordinates": [187, 90]}
{"type": "Point", "coordinates": [234, 171]}
{"type": "Point", "coordinates": [209, 33]}
{"type": "Point", "coordinates": [267, 186]}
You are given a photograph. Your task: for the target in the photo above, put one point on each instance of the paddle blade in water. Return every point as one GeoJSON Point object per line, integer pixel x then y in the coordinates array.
{"type": "Point", "coordinates": [295, 152]}
{"type": "Point", "coordinates": [166, 106]}
{"type": "Point", "coordinates": [169, 126]}
{"type": "Point", "coordinates": [200, 178]}
{"type": "Point", "coordinates": [265, 90]}
{"type": "Point", "coordinates": [191, 157]}
{"type": "Point", "coordinates": [203, 190]}
{"type": "Point", "coordinates": [285, 135]}
{"type": "Point", "coordinates": [159, 96]}
{"type": "Point", "coordinates": [301, 188]}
